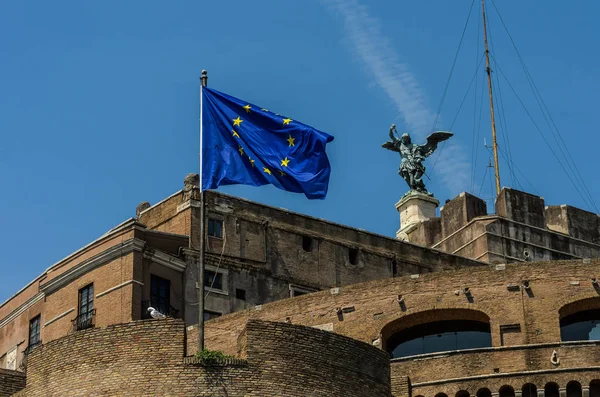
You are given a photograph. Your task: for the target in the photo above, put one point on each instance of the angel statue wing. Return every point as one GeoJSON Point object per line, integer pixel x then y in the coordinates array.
{"type": "Point", "coordinates": [433, 140]}
{"type": "Point", "coordinates": [390, 146]}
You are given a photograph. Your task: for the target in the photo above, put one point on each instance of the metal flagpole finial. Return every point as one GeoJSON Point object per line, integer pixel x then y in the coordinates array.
{"type": "Point", "coordinates": [204, 78]}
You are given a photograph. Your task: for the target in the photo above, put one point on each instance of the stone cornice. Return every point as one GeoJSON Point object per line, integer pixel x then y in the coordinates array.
{"type": "Point", "coordinates": [86, 266]}
{"type": "Point", "coordinates": [166, 260]}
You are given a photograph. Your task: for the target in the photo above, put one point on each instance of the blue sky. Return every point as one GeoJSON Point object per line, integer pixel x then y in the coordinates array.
{"type": "Point", "coordinates": [99, 104]}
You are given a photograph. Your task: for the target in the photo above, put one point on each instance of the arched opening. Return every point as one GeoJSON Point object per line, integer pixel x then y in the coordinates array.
{"type": "Point", "coordinates": [573, 389]}
{"type": "Point", "coordinates": [439, 336]}
{"type": "Point", "coordinates": [462, 393]}
{"type": "Point", "coordinates": [551, 390]}
{"type": "Point", "coordinates": [441, 395]}
{"type": "Point", "coordinates": [454, 329]}
{"type": "Point", "coordinates": [507, 391]}
{"type": "Point", "coordinates": [420, 325]}
{"type": "Point", "coordinates": [584, 325]}
{"type": "Point", "coordinates": [529, 390]}
{"type": "Point", "coordinates": [484, 392]}
{"type": "Point", "coordinates": [595, 388]}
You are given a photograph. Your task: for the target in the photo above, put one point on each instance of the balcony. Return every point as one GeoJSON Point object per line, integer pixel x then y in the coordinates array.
{"type": "Point", "coordinates": [84, 321]}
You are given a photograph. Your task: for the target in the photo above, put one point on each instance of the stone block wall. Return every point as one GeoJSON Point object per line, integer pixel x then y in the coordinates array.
{"type": "Point", "coordinates": [11, 382]}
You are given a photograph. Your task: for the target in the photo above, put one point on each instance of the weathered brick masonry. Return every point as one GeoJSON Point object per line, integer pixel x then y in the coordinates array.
{"type": "Point", "coordinates": [146, 358]}
{"type": "Point", "coordinates": [11, 382]}
{"type": "Point", "coordinates": [370, 312]}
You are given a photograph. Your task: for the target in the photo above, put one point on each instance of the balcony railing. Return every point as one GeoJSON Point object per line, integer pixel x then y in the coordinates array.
{"type": "Point", "coordinates": [169, 311]}
{"type": "Point", "coordinates": [84, 320]}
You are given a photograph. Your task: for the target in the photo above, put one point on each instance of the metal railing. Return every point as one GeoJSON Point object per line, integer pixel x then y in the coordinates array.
{"type": "Point", "coordinates": [169, 311]}
{"type": "Point", "coordinates": [84, 320]}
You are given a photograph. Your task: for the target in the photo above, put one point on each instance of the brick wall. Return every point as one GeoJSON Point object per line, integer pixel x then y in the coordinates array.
{"type": "Point", "coordinates": [147, 358]}
{"type": "Point", "coordinates": [373, 313]}
{"type": "Point", "coordinates": [11, 382]}
{"type": "Point", "coordinates": [302, 361]}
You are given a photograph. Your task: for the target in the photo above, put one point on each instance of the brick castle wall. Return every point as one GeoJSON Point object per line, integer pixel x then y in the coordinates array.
{"type": "Point", "coordinates": [372, 314]}
{"type": "Point", "coordinates": [11, 382]}
{"type": "Point", "coordinates": [146, 358]}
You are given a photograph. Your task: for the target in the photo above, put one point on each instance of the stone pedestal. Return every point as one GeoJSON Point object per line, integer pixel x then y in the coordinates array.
{"type": "Point", "coordinates": [414, 208]}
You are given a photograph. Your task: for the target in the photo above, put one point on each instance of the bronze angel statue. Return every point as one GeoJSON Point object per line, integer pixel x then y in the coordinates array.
{"type": "Point", "coordinates": [411, 166]}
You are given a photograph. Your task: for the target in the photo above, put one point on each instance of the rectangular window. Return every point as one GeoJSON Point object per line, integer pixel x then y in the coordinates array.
{"type": "Point", "coordinates": [86, 307]}
{"type": "Point", "coordinates": [353, 256]}
{"type": "Point", "coordinates": [240, 294]}
{"type": "Point", "coordinates": [160, 293]}
{"type": "Point", "coordinates": [208, 315]}
{"type": "Point", "coordinates": [34, 331]}
{"type": "Point", "coordinates": [213, 280]}
{"type": "Point", "coordinates": [307, 243]}
{"type": "Point", "coordinates": [215, 228]}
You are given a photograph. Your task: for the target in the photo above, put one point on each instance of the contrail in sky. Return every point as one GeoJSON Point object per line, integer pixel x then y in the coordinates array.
{"type": "Point", "coordinates": [395, 78]}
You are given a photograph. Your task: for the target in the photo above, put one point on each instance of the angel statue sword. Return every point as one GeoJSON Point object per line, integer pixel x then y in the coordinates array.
{"type": "Point", "coordinates": [412, 155]}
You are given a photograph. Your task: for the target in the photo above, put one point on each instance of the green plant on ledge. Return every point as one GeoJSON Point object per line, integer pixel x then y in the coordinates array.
{"type": "Point", "coordinates": [211, 356]}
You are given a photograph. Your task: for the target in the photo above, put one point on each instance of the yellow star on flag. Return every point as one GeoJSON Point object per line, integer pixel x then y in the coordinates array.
{"type": "Point", "coordinates": [247, 107]}
{"type": "Point", "coordinates": [268, 171]}
{"type": "Point", "coordinates": [286, 121]}
{"type": "Point", "coordinates": [237, 122]}
{"type": "Point", "coordinates": [285, 162]}
{"type": "Point", "coordinates": [235, 133]}
{"type": "Point", "coordinates": [251, 161]}
{"type": "Point", "coordinates": [241, 150]}
{"type": "Point", "coordinates": [291, 141]}
{"type": "Point", "coordinates": [282, 173]}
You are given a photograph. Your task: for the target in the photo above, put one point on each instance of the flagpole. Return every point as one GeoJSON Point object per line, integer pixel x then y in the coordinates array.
{"type": "Point", "coordinates": [203, 83]}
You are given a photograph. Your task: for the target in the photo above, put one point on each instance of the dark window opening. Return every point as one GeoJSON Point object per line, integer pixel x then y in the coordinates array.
{"type": "Point", "coordinates": [595, 388]}
{"type": "Point", "coordinates": [485, 392]}
{"type": "Point", "coordinates": [573, 389]}
{"type": "Point", "coordinates": [551, 390]}
{"type": "Point", "coordinates": [213, 280]}
{"type": "Point", "coordinates": [529, 390]}
{"type": "Point", "coordinates": [394, 267]}
{"type": "Point", "coordinates": [34, 331]}
{"type": "Point", "coordinates": [353, 255]}
{"type": "Point", "coordinates": [307, 243]}
{"type": "Point", "coordinates": [209, 314]}
{"type": "Point", "coordinates": [240, 294]}
{"type": "Point", "coordinates": [581, 326]}
{"type": "Point", "coordinates": [296, 292]}
{"type": "Point", "coordinates": [462, 393]}
{"type": "Point", "coordinates": [439, 336]}
{"type": "Point", "coordinates": [507, 391]}
{"type": "Point", "coordinates": [215, 228]}
{"type": "Point", "coordinates": [85, 313]}
{"type": "Point", "coordinates": [160, 294]}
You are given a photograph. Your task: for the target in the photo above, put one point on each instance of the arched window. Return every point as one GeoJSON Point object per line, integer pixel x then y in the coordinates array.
{"type": "Point", "coordinates": [595, 388]}
{"type": "Point", "coordinates": [529, 390]}
{"type": "Point", "coordinates": [583, 325]}
{"type": "Point", "coordinates": [507, 391]}
{"type": "Point", "coordinates": [573, 389]}
{"type": "Point", "coordinates": [438, 337]}
{"type": "Point", "coordinates": [551, 390]}
{"type": "Point", "coordinates": [462, 393]}
{"type": "Point", "coordinates": [441, 395]}
{"type": "Point", "coordinates": [485, 392]}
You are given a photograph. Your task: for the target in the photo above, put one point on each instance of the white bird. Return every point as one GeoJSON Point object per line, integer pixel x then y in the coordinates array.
{"type": "Point", "coordinates": [156, 314]}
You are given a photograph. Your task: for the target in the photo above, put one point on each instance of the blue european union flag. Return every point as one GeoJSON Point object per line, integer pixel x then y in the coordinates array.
{"type": "Point", "coordinates": [246, 144]}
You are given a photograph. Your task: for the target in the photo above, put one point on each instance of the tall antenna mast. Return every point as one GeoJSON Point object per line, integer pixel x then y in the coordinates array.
{"type": "Point", "coordinates": [489, 78]}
